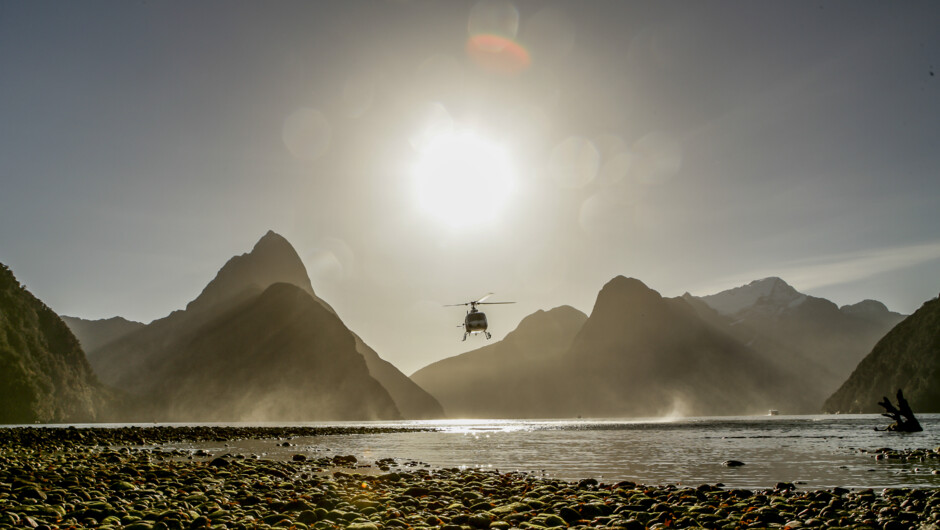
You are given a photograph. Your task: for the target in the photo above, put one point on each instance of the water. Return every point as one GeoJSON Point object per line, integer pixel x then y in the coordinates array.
{"type": "Point", "coordinates": [811, 451]}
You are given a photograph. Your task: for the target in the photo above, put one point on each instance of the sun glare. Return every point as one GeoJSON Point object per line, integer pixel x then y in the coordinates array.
{"type": "Point", "coordinates": [462, 179]}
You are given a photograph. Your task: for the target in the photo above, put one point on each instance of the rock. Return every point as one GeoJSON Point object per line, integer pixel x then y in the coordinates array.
{"type": "Point", "coordinates": [31, 492]}
{"type": "Point", "coordinates": [569, 515]}
{"type": "Point", "coordinates": [219, 462]}
{"type": "Point", "coordinates": [362, 526]}
{"type": "Point", "coordinates": [416, 491]}
{"type": "Point", "coordinates": [587, 483]}
{"type": "Point", "coordinates": [297, 505]}
{"type": "Point", "coordinates": [480, 520]}
{"type": "Point", "coordinates": [348, 460]}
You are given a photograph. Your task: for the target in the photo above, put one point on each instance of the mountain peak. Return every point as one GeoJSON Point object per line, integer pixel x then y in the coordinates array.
{"type": "Point", "coordinates": [771, 290]}
{"type": "Point", "coordinates": [271, 239]}
{"type": "Point", "coordinates": [536, 324]}
{"type": "Point", "coordinates": [626, 295]}
{"type": "Point", "coordinates": [869, 309]}
{"type": "Point", "coordinates": [623, 285]}
{"type": "Point", "coordinates": [271, 260]}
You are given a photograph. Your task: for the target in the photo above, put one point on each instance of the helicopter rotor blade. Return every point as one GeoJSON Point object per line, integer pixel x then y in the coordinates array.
{"type": "Point", "coordinates": [479, 302]}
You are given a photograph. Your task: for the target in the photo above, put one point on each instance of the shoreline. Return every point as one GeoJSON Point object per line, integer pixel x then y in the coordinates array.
{"type": "Point", "coordinates": [61, 477]}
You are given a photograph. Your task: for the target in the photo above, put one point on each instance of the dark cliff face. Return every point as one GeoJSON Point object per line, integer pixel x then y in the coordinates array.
{"type": "Point", "coordinates": [908, 357]}
{"type": "Point", "coordinates": [643, 355]}
{"type": "Point", "coordinates": [44, 375]}
{"type": "Point", "coordinates": [513, 378]}
{"type": "Point", "coordinates": [151, 363]}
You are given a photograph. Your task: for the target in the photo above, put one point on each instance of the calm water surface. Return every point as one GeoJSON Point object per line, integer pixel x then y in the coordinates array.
{"type": "Point", "coordinates": [813, 451]}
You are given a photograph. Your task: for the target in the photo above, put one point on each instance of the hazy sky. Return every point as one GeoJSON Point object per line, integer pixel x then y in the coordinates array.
{"type": "Point", "coordinates": [694, 145]}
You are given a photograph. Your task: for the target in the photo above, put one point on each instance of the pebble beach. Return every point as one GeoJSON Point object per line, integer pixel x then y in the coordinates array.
{"type": "Point", "coordinates": [56, 478]}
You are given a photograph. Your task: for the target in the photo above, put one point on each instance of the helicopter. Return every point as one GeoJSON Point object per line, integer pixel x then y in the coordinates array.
{"type": "Point", "coordinates": [475, 321]}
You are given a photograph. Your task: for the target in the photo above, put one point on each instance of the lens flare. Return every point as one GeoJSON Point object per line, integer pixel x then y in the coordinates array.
{"type": "Point", "coordinates": [498, 54]}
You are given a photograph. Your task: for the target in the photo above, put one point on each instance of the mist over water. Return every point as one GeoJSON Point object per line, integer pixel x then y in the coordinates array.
{"type": "Point", "coordinates": [812, 451]}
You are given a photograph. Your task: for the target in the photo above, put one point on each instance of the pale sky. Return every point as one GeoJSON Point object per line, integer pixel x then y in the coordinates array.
{"type": "Point", "coordinates": [694, 145]}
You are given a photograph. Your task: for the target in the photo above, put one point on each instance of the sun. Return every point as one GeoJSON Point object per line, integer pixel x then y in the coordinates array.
{"type": "Point", "coordinates": [462, 179]}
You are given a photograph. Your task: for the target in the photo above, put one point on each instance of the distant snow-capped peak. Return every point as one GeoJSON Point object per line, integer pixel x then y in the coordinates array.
{"type": "Point", "coordinates": [769, 291]}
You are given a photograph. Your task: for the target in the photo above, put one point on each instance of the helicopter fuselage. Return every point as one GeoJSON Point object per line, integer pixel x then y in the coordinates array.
{"type": "Point", "coordinates": [475, 322]}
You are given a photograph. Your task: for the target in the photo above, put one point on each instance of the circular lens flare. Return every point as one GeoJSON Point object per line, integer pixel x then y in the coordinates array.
{"type": "Point", "coordinates": [463, 180]}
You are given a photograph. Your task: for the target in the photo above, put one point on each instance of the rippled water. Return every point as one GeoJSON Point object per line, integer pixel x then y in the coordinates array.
{"type": "Point", "coordinates": [813, 451]}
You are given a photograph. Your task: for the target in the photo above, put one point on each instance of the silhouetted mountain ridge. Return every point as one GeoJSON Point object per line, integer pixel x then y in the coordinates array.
{"type": "Point", "coordinates": [272, 260]}
{"type": "Point", "coordinates": [908, 357]}
{"type": "Point", "coordinates": [640, 354]}
{"type": "Point", "coordinates": [93, 334]}
{"type": "Point", "coordinates": [280, 356]}
{"type": "Point", "coordinates": [165, 361]}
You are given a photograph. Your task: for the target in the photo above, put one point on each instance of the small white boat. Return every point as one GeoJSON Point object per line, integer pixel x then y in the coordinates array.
{"type": "Point", "coordinates": [773, 412]}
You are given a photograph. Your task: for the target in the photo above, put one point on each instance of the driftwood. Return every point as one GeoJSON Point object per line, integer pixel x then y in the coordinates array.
{"type": "Point", "coordinates": [903, 416]}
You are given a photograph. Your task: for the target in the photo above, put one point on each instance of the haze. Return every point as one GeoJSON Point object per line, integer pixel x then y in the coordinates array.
{"type": "Point", "coordinates": [695, 145]}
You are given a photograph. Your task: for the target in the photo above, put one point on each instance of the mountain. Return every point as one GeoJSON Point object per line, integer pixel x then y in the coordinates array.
{"type": "Point", "coordinates": [908, 357]}
{"type": "Point", "coordinates": [510, 378]}
{"type": "Point", "coordinates": [279, 356]}
{"type": "Point", "coordinates": [770, 292]}
{"type": "Point", "coordinates": [800, 333]}
{"type": "Point", "coordinates": [126, 362]}
{"type": "Point", "coordinates": [640, 354]}
{"type": "Point", "coordinates": [93, 334]}
{"type": "Point", "coordinates": [293, 359]}
{"type": "Point", "coordinates": [44, 376]}
{"type": "Point", "coordinates": [637, 355]}
{"type": "Point", "coordinates": [272, 260]}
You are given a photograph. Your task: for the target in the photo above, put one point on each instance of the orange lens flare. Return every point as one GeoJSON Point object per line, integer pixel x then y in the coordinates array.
{"type": "Point", "coordinates": [498, 54]}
